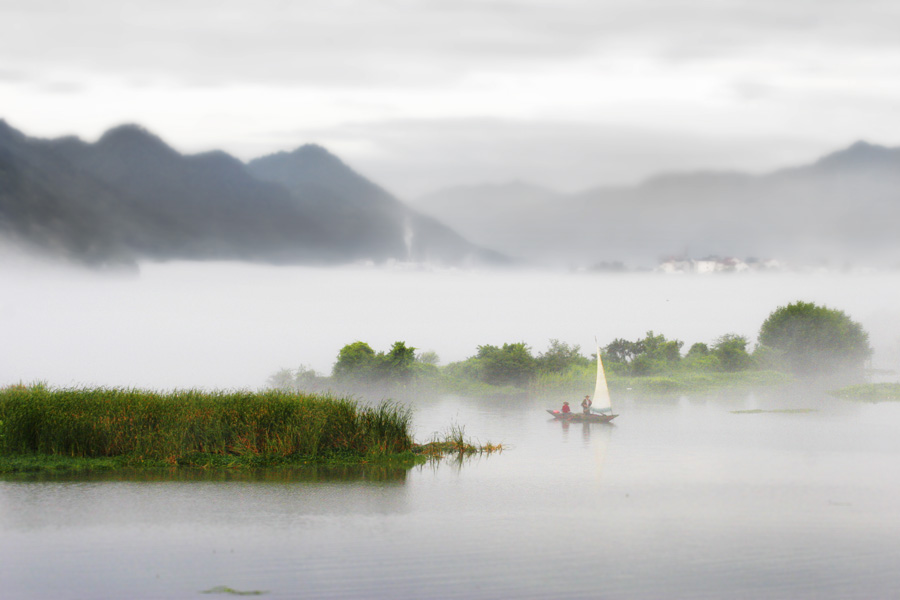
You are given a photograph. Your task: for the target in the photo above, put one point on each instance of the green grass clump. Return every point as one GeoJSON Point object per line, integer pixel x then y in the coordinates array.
{"type": "Point", "coordinates": [224, 589]}
{"type": "Point", "coordinates": [870, 392]}
{"type": "Point", "coordinates": [175, 428]}
{"type": "Point", "coordinates": [455, 443]}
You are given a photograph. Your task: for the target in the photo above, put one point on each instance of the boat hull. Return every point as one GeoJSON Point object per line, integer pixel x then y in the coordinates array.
{"type": "Point", "coordinates": [581, 417]}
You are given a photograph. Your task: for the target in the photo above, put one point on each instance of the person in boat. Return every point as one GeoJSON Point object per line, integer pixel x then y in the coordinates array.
{"type": "Point", "coordinates": [565, 409]}
{"type": "Point", "coordinates": [586, 405]}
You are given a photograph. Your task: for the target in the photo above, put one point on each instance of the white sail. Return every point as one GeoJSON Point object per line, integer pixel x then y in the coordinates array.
{"type": "Point", "coordinates": [601, 402]}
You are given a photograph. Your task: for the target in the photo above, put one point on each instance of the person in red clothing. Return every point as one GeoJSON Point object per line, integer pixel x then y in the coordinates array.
{"type": "Point", "coordinates": [565, 409]}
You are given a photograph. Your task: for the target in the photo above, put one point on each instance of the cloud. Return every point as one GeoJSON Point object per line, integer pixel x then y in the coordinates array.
{"type": "Point", "coordinates": [63, 87]}
{"type": "Point", "coordinates": [413, 157]}
{"type": "Point", "coordinates": [12, 76]}
{"type": "Point", "coordinates": [570, 93]}
{"type": "Point", "coordinates": [390, 42]}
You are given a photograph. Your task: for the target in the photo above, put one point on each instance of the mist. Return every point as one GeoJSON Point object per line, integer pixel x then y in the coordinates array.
{"type": "Point", "coordinates": [838, 210]}
{"type": "Point", "coordinates": [225, 325]}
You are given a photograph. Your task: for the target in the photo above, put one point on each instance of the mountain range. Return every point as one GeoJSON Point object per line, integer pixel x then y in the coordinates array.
{"type": "Point", "coordinates": [844, 208]}
{"type": "Point", "coordinates": [130, 197]}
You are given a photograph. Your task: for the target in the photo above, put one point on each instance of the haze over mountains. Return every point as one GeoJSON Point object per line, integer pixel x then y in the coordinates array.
{"type": "Point", "coordinates": [130, 197]}
{"type": "Point", "coordinates": [844, 208]}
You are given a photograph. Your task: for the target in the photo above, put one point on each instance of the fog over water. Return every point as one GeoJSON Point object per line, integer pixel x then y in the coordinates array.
{"type": "Point", "coordinates": [227, 325]}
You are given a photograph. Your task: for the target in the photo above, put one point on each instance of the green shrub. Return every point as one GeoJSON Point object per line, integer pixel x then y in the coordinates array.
{"type": "Point", "coordinates": [815, 339]}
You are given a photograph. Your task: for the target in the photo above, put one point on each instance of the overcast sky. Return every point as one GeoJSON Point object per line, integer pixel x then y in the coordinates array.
{"type": "Point", "coordinates": [419, 95]}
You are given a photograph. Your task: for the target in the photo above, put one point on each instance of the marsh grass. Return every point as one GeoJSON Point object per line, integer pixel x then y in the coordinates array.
{"type": "Point", "coordinates": [454, 442]}
{"type": "Point", "coordinates": [224, 589]}
{"type": "Point", "coordinates": [870, 392]}
{"type": "Point", "coordinates": [178, 428]}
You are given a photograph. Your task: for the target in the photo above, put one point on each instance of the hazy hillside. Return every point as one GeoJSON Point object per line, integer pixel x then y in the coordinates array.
{"type": "Point", "coordinates": [843, 208]}
{"type": "Point", "coordinates": [129, 196]}
{"type": "Point", "coordinates": [48, 205]}
{"type": "Point", "coordinates": [367, 216]}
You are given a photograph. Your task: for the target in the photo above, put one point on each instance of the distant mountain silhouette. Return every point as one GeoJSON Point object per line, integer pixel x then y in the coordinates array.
{"type": "Point", "coordinates": [130, 196]}
{"type": "Point", "coordinates": [368, 216]}
{"type": "Point", "coordinates": [843, 208]}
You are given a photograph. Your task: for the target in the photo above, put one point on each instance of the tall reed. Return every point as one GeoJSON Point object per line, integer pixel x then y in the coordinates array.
{"type": "Point", "coordinates": [167, 426]}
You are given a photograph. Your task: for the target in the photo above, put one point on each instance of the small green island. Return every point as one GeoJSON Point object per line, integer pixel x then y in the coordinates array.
{"type": "Point", "coordinates": [798, 340]}
{"type": "Point", "coordinates": [79, 430]}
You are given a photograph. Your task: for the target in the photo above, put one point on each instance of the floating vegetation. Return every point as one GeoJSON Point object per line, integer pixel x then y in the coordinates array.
{"type": "Point", "coordinates": [870, 392]}
{"type": "Point", "coordinates": [455, 443]}
{"type": "Point", "coordinates": [222, 589]}
{"type": "Point", "coordinates": [789, 411]}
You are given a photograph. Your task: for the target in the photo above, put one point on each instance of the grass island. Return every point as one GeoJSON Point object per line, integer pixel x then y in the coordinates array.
{"type": "Point", "coordinates": [68, 430]}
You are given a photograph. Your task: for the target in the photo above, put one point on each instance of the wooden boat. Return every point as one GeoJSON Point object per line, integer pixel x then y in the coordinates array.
{"type": "Point", "coordinates": [601, 407]}
{"type": "Point", "coordinates": [578, 417]}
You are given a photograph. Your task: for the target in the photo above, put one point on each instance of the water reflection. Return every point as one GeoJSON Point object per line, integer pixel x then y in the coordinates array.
{"type": "Point", "coordinates": [305, 474]}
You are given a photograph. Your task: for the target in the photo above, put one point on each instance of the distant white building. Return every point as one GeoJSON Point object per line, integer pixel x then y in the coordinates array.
{"type": "Point", "coordinates": [705, 266]}
{"type": "Point", "coordinates": [731, 265]}
{"type": "Point", "coordinates": [675, 266]}
{"type": "Point", "coordinates": [714, 264]}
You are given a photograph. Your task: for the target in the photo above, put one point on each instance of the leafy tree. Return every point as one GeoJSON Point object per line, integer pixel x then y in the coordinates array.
{"type": "Point", "coordinates": [657, 347]}
{"type": "Point", "coordinates": [653, 354]}
{"type": "Point", "coordinates": [698, 349]}
{"type": "Point", "coordinates": [429, 357]}
{"type": "Point", "coordinates": [512, 364]}
{"type": "Point", "coordinates": [622, 351]}
{"type": "Point", "coordinates": [815, 339]}
{"type": "Point", "coordinates": [281, 380]}
{"type": "Point", "coordinates": [731, 350]}
{"type": "Point", "coordinates": [397, 365]}
{"type": "Point", "coordinates": [701, 358]}
{"type": "Point", "coordinates": [303, 379]}
{"type": "Point", "coordinates": [359, 362]}
{"type": "Point", "coordinates": [355, 361]}
{"type": "Point", "coordinates": [767, 357]}
{"type": "Point", "coordinates": [645, 364]}
{"type": "Point", "coordinates": [560, 357]}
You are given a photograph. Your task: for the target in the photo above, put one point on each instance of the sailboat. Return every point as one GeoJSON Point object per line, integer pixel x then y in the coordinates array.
{"type": "Point", "coordinates": [601, 407]}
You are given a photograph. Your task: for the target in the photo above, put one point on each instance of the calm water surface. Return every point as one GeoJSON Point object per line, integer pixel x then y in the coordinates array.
{"type": "Point", "coordinates": [681, 498]}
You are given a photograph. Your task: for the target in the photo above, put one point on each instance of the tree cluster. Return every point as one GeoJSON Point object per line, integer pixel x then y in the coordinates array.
{"type": "Point", "coordinates": [514, 364]}
{"type": "Point", "coordinates": [359, 363]}
{"type": "Point", "coordinates": [655, 354]}
{"type": "Point", "coordinates": [801, 337]}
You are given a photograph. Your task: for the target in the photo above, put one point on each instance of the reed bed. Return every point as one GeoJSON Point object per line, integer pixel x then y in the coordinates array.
{"type": "Point", "coordinates": [169, 427]}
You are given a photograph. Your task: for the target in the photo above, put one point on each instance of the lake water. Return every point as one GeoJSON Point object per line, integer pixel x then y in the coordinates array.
{"type": "Point", "coordinates": [679, 498]}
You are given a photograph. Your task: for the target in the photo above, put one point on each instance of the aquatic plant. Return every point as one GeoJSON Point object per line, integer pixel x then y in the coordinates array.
{"type": "Point", "coordinates": [870, 392]}
{"type": "Point", "coordinates": [109, 422]}
{"type": "Point", "coordinates": [224, 589]}
{"type": "Point", "coordinates": [454, 442]}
